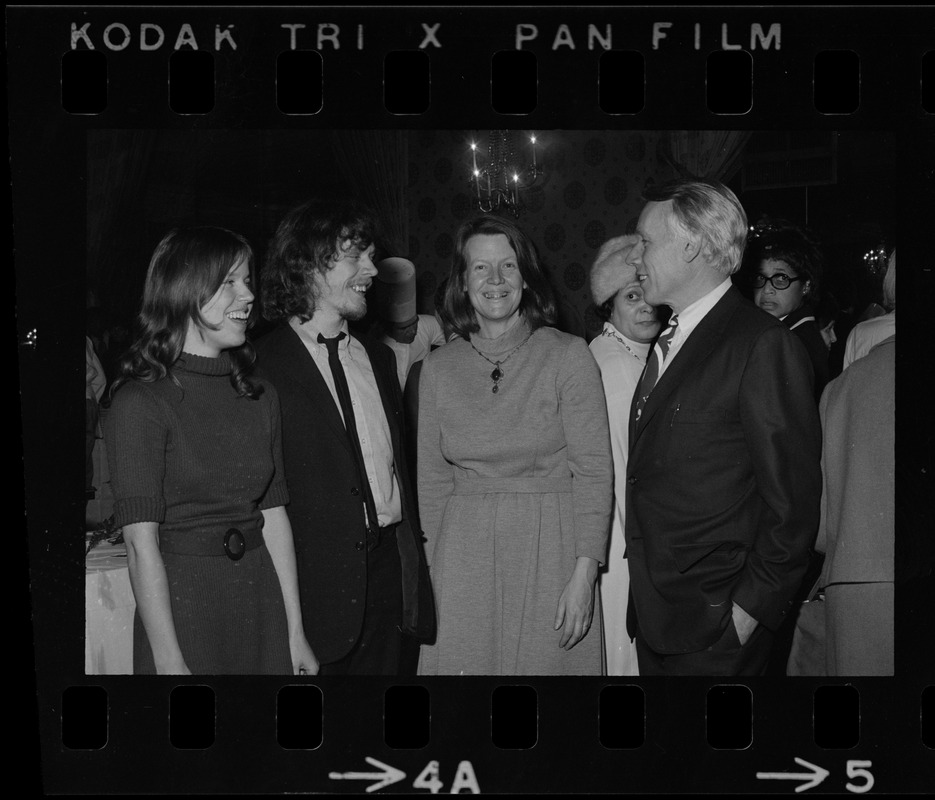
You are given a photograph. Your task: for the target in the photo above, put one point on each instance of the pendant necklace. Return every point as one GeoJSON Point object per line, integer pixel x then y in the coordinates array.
{"type": "Point", "coordinates": [615, 336]}
{"type": "Point", "coordinates": [497, 373]}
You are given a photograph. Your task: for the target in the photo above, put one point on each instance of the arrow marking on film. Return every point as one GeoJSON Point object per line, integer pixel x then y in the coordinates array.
{"type": "Point", "coordinates": [386, 777]}
{"type": "Point", "coordinates": [813, 778]}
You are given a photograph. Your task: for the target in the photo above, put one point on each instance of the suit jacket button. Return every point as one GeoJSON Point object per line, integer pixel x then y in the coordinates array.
{"type": "Point", "coordinates": [631, 480]}
{"type": "Point", "coordinates": [359, 545]}
{"type": "Point", "coordinates": [355, 491]}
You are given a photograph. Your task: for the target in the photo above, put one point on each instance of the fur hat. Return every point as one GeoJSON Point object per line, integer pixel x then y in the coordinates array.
{"type": "Point", "coordinates": [610, 271]}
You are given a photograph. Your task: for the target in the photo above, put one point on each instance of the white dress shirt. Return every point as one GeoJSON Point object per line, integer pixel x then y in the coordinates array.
{"type": "Point", "coordinates": [689, 319]}
{"type": "Point", "coordinates": [373, 430]}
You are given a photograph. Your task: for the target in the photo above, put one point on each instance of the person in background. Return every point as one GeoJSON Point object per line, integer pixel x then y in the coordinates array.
{"type": "Point", "coordinates": [515, 471]}
{"type": "Point", "coordinates": [193, 441]}
{"type": "Point", "coordinates": [827, 312]}
{"type": "Point", "coordinates": [845, 292]}
{"type": "Point", "coordinates": [362, 569]}
{"type": "Point", "coordinates": [411, 391]}
{"type": "Point", "coordinates": [786, 279]}
{"type": "Point", "coordinates": [867, 334]}
{"type": "Point", "coordinates": [850, 631]}
{"type": "Point", "coordinates": [630, 325]}
{"type": "Point", "coordinates": [110, 336]}
{"type": "Point", "coordinates": [94, 384]}
{"type": "Point", "coordinates": [723, 475]}
{"type": "Point", "coordinates": [409, 335]}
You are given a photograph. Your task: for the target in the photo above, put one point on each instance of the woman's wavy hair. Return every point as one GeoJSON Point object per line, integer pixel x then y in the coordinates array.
{"type": "Point", "coordinates": [307, 242]}
{"type": "Point", "coordinates": [187, 268]}
{"type": "Point", "coordinates": [537, 306]}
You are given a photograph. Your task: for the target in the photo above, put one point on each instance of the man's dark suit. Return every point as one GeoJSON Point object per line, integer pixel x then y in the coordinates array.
{"type": "Point", "coordinates": [724, 481]}
{"type": "Point", "coordinates": [326, 508]}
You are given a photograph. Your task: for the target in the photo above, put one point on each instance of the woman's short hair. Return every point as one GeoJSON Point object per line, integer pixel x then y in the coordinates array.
{"type": "Point", "coordinates": [307, 242]}
{"type": "Point", "coordinates": [187, 268]}
{"type": "Point", "coordinates": [781, 241]}
{"type": "Point", "coordinates": [606, 309]}
{"type": "Point", "coordinates": [711, 211]}
{"type": "Point", "coordinates": [537, 306]}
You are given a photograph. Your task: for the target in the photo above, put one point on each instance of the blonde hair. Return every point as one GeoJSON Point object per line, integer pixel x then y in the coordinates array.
{"type": "Point", "coordinates": [711, 211]}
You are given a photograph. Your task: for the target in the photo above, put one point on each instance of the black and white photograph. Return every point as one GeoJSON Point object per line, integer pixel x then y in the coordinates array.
{"type": "Point", "coordinates": [421, 444]}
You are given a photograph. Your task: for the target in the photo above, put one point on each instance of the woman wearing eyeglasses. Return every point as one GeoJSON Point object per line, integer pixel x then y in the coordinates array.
{"type": "Point", "coordinates": [786, 267]}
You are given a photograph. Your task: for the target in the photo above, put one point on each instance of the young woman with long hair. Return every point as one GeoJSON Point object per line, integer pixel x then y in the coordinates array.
{"type": "Point", "coordinates": [196, 461]}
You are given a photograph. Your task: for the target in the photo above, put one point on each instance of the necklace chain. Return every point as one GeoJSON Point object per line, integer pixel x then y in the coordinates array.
{"type": "Point", "coordinates": [497, 372]}
{"type": "Point", "coordinates": [614, 335]}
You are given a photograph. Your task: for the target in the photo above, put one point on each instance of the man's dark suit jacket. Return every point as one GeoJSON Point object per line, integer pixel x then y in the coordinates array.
{"type": "Point", "coordinates": [326, 508]}
{"type": "Point", "coordinates": [723, 480]}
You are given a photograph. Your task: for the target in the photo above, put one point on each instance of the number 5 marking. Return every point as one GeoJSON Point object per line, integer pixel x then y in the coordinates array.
{"type": "Point", "coordinates": [855, 769]}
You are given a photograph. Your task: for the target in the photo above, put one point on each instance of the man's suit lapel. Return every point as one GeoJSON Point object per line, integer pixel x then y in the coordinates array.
{"type": "Point", "coordinates": [302, 367]}
{"type": "Point", "coordinates": [691, 356]}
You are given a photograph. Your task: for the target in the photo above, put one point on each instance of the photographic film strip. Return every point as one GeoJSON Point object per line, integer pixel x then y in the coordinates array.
{"type": "Point", "coordinates": [234, 110]}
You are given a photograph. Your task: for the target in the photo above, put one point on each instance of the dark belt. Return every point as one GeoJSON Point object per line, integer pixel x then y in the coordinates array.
{"type": "Point", "coordinates": [380, 535]}
{"type": "Point", "coordinates": [230, 542]}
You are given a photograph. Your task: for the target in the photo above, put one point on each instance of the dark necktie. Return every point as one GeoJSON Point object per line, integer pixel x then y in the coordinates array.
{"type": "Point", "coordinates": [350, 425]}
{"type": "Point", "coordinates": [656, 358]}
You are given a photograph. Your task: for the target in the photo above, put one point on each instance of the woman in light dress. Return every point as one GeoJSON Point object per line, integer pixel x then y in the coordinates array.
{"type": "Point", "coordinates": [621, 349]}
{"type": "Point", "coordinates": [514, 471]}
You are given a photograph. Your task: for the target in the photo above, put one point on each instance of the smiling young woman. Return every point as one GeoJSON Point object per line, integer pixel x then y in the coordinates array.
{"type": "Point", "coordinates": [196, 463]}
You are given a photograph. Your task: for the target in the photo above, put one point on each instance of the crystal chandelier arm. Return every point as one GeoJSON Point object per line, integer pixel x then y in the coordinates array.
{"type": "Point", "coordinates": [498, 182]}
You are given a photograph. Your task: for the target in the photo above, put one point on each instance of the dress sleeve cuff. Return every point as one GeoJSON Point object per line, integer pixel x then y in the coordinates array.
{"type": "Point", "coordinates": [592, 549]}
{"type": "Point", "coordinates": [276, 495]}
{"type": "Point", "coordinates": [139, 509]}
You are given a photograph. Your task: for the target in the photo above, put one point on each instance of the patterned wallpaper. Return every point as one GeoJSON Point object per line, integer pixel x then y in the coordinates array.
{"type": "Point", "coordinates": [590, 191]}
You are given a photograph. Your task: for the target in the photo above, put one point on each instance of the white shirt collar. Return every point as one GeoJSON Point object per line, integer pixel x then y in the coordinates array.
{"type": "Point", "coordinates": [308, 333]}
{"type": "Point", "coordinates": [697, 311]}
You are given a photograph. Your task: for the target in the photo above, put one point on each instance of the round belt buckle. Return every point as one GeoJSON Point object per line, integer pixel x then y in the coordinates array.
{"type": "Point", "coordinates": [234, 544]}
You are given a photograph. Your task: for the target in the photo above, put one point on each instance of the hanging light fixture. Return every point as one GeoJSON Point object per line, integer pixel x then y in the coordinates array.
{"type": "Point", "coordinates": [497, 181]}
{"type": "Point", "coordinates": [875, 260]}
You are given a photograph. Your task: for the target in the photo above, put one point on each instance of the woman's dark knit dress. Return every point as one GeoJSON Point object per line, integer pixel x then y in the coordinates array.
{"type": "Point", "coordinates": [195, 458]}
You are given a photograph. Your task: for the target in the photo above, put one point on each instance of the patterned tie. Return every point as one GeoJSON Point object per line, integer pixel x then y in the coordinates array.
{"type": "Point", "coordinates": [656, 358]}
{"type": "Point", "coordinates": [350, 425]}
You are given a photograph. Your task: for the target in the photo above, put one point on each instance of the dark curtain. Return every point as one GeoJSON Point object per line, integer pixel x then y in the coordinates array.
{"type": "Point", "coordinates": [706, 155]}
{"type": "Point", "coordinates": [375, 167]}
{"type": "Point", "coordinates": [118, 163]}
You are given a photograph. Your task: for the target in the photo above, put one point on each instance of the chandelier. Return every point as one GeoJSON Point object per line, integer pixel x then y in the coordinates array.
{"type": "Point", "coordinates": [497, 182]}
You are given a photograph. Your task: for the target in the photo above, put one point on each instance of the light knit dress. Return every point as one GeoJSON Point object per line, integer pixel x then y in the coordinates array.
{"type": "Point", "coordinates": [513, 487]}
{"type": "Point", "coordinates": [621, 361]}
